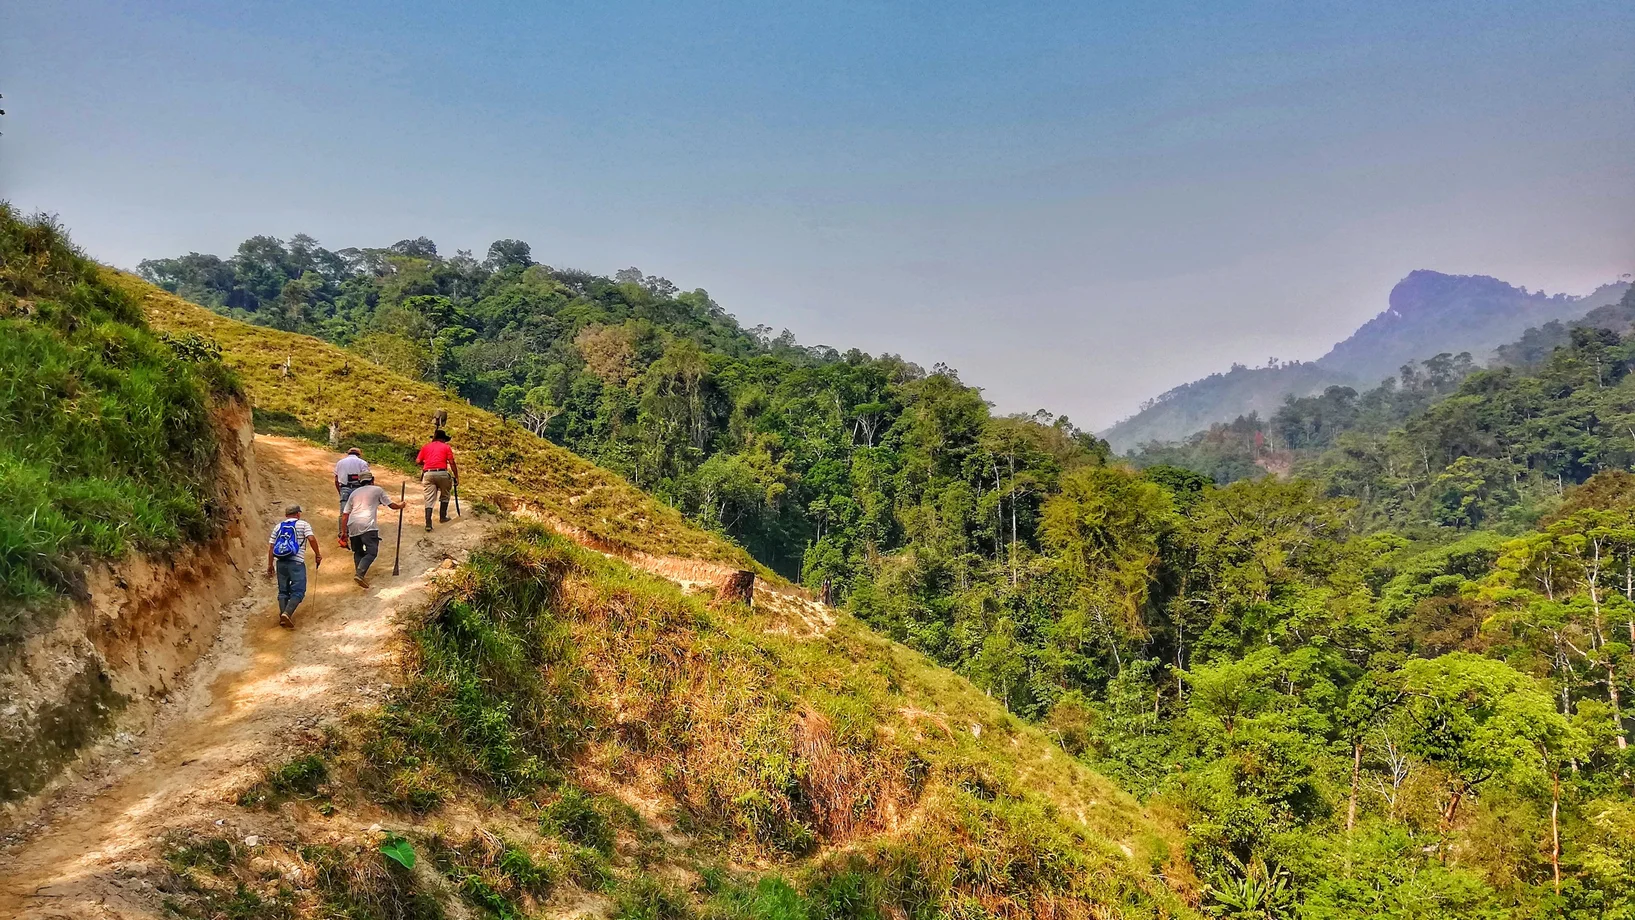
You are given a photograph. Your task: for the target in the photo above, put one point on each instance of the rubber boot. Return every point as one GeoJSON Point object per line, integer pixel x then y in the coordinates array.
{"type": "Point", "coordinates": [442, 511]}
{"type": "Point", "coordinates": [428, 519]}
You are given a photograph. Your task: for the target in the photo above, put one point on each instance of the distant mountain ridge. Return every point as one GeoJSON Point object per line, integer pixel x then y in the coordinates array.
{"type": "Point", "coordinates": [1452, 313]}
{"type": "Point", "coordinates": [1220, 397]}
{"type": "Point", "coordinates": [1428, 313]}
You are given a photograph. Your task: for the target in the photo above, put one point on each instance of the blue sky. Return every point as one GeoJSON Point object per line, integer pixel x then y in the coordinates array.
{"type": "Point", "coordinates": [1076, 205]}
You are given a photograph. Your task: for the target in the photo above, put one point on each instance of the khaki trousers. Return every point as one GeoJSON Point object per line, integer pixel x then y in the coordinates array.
{"type": "Point", "coordinates": [438, 484]}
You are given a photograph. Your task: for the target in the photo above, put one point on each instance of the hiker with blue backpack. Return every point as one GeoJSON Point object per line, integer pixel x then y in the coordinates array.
{"type": "Point", "coordinates": [286, 558]}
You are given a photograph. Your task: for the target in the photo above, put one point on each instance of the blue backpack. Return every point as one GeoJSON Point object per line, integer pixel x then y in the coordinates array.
{"type": "Point", "coordinates": [285, 542]}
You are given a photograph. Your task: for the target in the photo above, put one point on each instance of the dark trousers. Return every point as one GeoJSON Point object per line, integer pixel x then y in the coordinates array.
{"type": "Point", "coordinates": [292, 583]}
{"type": "Point", "coordinates": [365, 547]}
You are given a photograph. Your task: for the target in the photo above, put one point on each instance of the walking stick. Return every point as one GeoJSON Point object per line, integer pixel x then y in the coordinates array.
{"type": "Point", "coordinates": [402, 495]}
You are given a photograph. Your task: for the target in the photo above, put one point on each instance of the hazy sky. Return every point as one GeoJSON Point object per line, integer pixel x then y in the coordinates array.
{"type": "Point", "coordinates": [1077, 205]}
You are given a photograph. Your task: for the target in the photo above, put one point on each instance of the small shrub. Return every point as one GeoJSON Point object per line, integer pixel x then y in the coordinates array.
{"type": "Point", "coordinates": [366, 885]}
{"type": "Point", "coordinates": [418, 789]}
{"type": "Point", "coordinates": [578, 816]}
{"type": "Point", "coordinates": [302, 777]}
{"type": "Point", "coordinates": [213, 854]}
{"type": "Point", "coordinates": [495, 874]}
{"type": "Point", "coordinates": [850, 895]}
{"type": "Point", "coordinates": [207, 883]}
{"type": "Point", "coordinates": [769, 898]}
{"type": "Point", "coordinates": [589, 869]}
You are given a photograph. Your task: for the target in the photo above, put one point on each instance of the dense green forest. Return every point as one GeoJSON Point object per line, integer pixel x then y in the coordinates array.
{"type": "Point", "coordinates": [1305, 426]}
{"type": "Point", "coordinates": [1217, 398]}
{"type": "Point", "coordinates": [818, 462]}
{"type": "Point", "coordinates": [1393, 684]}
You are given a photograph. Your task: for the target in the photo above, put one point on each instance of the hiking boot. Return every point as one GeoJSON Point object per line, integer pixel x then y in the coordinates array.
{"type": "Point", "coordinates": [285, 620]}
{"type": "Point", "coordinates": [361, 582]}
{"type": "Point", "coordinates": [442, 512]}
{"type": "Point", "coordinates": [428, 520]}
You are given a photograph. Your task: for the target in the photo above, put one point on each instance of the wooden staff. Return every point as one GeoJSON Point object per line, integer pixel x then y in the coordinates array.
{"type": "Point", "coordinates": [402, 496]}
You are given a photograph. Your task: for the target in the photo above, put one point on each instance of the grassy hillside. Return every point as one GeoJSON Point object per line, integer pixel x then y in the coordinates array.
{"type": "Point", "coordinates": [568, 732]}
{"type": "Point", "coordinates": [571, 733]}
{"type": "Point", "coordinates": [390, 415]}
{"type": "Point", "coordinates": [106, 440]}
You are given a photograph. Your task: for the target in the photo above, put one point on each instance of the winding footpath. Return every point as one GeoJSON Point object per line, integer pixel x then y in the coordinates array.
{"type": "Point", "coordinates": [92, 850]}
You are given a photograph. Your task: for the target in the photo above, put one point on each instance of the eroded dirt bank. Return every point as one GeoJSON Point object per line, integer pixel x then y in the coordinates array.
{"type": "Point", "coordinates": [109, 659]}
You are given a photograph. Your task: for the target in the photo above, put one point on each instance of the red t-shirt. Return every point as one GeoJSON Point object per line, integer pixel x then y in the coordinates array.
{"type": "Point", "coordinates": [435, 455]}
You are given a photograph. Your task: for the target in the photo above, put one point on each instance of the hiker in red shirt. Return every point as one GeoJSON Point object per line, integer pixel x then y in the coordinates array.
{"type": "Point", "coordinates": [438, 474]}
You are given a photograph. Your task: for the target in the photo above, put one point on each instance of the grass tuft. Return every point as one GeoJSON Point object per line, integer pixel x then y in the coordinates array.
{"type": "Point", "coordinates": [494, 874]}
{"type": "Point", "coordinates": [302, 777]}
{"type": "Point", "coordinates": [581, 818]}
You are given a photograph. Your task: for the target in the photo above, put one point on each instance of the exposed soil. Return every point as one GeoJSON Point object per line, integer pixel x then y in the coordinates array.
{"type": "Point", "coordinates": [259, 687]}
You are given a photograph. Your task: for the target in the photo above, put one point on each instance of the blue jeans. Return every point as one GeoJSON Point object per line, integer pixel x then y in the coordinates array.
{"type": "Point", "coordinates": [346, 492]}
{"type": "Point", "coordinates": [292, 583]}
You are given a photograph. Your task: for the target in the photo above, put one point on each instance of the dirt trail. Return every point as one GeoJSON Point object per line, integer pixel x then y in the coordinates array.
{"type": "Point", "coordinates": [258, 689]}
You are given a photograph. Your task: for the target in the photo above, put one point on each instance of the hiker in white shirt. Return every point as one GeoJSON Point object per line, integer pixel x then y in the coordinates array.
{"type": "Point", "coordinates": [349, 471]}
{"type": "Point", "coordinates": [359, 518]}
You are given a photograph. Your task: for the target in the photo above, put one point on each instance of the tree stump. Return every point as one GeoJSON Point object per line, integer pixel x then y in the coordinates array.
{"type": "Point", "coordinates": [739, 586]}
